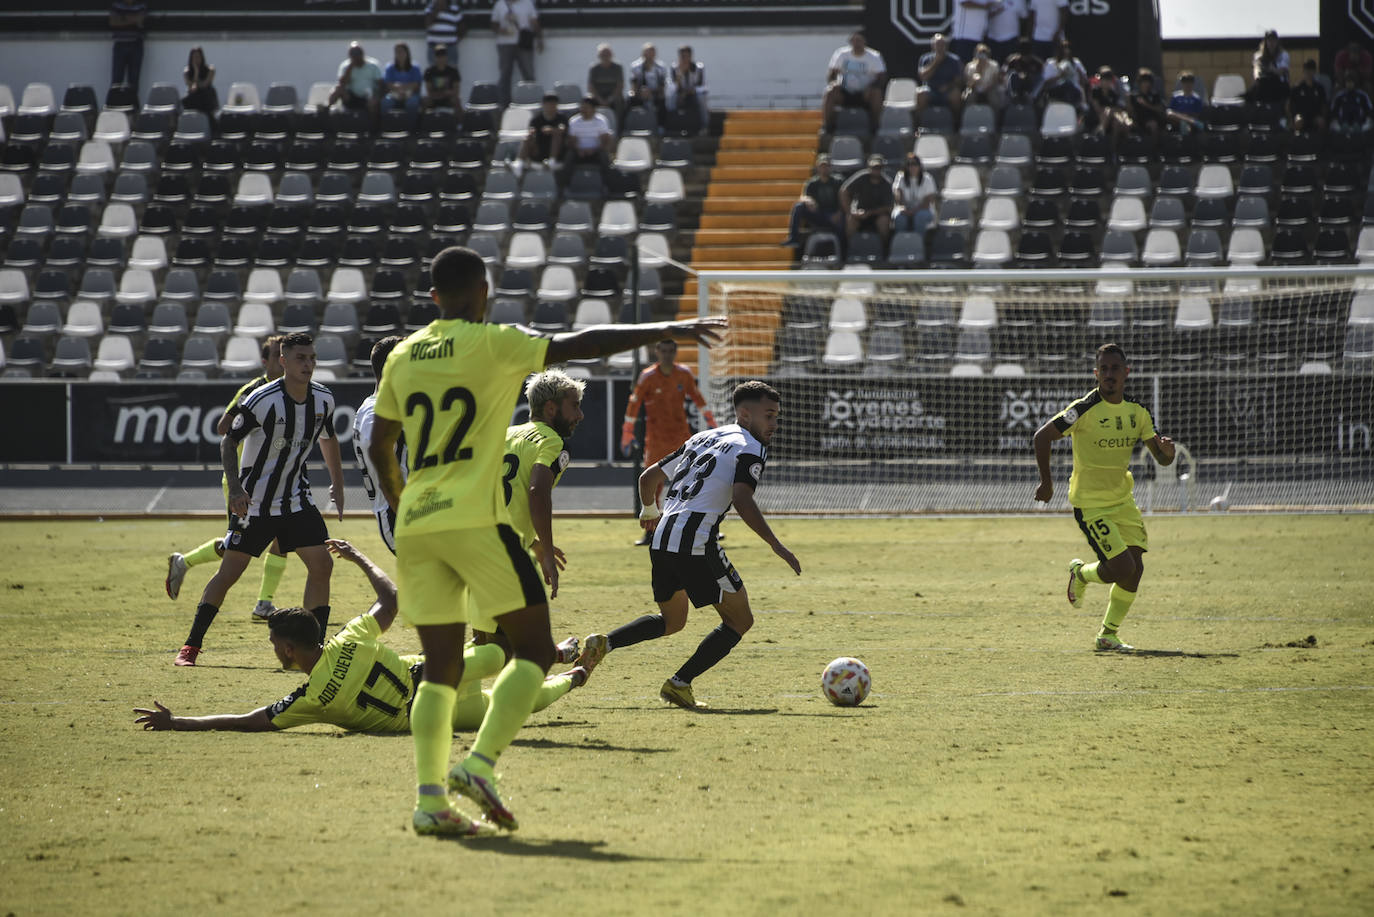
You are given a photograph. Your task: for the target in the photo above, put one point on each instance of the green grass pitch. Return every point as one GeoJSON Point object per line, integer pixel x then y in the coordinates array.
{"type": "Point", "coordinates": [999, 767]}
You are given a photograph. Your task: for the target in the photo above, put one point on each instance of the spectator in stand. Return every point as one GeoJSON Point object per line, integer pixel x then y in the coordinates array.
{"type": "Point", "coordinates": [1185, 105]}
{"type": "Point", "coordinates": [1146, 105]}
{"type": "Point", "coordinates": [548, 133]}
{"type": "Point", "coordinates": [1048, 19]}
{"type": "Point", "coordinates": [1354, 56]}
{"type": "Point", "coordinates": [913, 195]}
{"type": "Point", "coordinates": [1351, 110]}
{"type": "Point", "coordinates": [1004, 28]}
{"type": "Point", "coordinates": [969, 26]}
{"type": "Point", "coordinates": [1063, 87]}
{"type": "Point", "coordinates": [360, 82]}
{"type": "Point", "coordinates": [866, 198]}
{"type": "Point", "coordinates": [1270, 86]}
{"type": "Point", "coordinates": [403, 82]}
{"type": "Point", "coordinates": [606, 82]}
{"type": "Point", "coordinates": [200, 84]}
{"type": "Point", "coordinates": [518, 36]}
{"type": "Point", "coordinates": [649, 80]}
{"type": "Point", "coordinates": [983, 78]}
{"type": "Point", "coordinates": [590, 138]}
{"type": "Point", "coordinates": [1307, 102]}
{"type": "Point", "coordinates": [687, 90]}
{"type": "Point", "coordinates": [443, 83]}
{"type": "Point", "coordinates": [127, 19]}
{"type": "Point", "coordinates": [1063, 53]}
{"type": "Point", "coordinates": [941, 73]}
{"type": "Point", "coordinates": [444, 28]}
{"type": "Point", "coordinates": [1108, 104]}
{"type": "Point", "coordinates": [1023, 73]}
{"type": "Point", "coordinates": [855, 79]}
{"type": "Point", "coordinates": [818, 206]}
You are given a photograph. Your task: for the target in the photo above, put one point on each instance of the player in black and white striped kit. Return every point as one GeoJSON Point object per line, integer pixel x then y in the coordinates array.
{"type": "Point", "coordinates": [362, 439]}
{"type": "Point", "coordinates": [269, 485]}
{"type": "Point", "coordinates": [705, 476]}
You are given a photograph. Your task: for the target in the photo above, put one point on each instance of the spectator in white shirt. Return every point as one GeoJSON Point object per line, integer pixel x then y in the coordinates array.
{"type": "Point", "coordinates": [913, 195]}
{"type": "Point", "coordinates": [590, 138]}
{"type": "Point", "coordinates": [983, 79]}
{"type": "Point", "coordinates": [1048, 28]}
{"type": "Point", "coordinates": [855, 79]}
{"type": "Point", "coordinates": [649, 81]}
{"type": "Point", "coordinates": [518, 36]}
{"type": "Point", "coordinates": [1004, 28]}
{"type": "Point", "coordinates": [969, 27]}
{"type": "Point", "coordinates": [1270, 85]}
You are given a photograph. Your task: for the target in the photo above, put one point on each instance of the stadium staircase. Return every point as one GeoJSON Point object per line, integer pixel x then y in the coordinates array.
{"type": "Point", "coordinates": [764, 158]}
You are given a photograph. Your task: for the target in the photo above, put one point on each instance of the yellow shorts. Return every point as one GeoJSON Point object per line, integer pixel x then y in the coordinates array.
{"type": "Point", "coordinates": [1112, 529]}
{"type": "Point", "coordinates": [468, 576]}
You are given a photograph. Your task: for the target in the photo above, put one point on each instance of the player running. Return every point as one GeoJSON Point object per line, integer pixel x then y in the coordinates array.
{"type": "Point", "coordinates": [269, 485]}
{"type": "Point", "coordinates": [450, 388]}
{"type": "Point", "coordinates": [711, 471]}
{"type": "Point", "coordinates": [274, 565]}
{"type": "Point", "coordinates": [662, 391]}
{"type": "Point", "coordinates": [1105, 428]}
{"type": "Point", "coordinates": [355, 681]}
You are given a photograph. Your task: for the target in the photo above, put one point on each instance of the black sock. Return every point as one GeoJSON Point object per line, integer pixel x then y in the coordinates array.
{"type": "Point", "coordinates": [713, 649]}
{"type": "Point", "coordinates": [321, 613]}
{"type": "Point", "coordinates": [647, 627]}
{"type": "Point", "coordinates": [205, 616]}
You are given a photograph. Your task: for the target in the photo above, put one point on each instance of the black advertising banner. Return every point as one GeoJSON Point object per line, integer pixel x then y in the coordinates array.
{"type": "Point", "coordinates": [1270, 415]}
{"type": "Point", "coordinates": [36, 423]}
{"type": "Point", "coordinates": [1123, 33]}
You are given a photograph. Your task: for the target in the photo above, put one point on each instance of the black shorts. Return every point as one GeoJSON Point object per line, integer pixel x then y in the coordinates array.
{"type": "Point", "coordinates": [853, 99]}
{"type": "Point", "coordinates": [705, 577]}
{"type": "Point", "coordinates": [252, 535]}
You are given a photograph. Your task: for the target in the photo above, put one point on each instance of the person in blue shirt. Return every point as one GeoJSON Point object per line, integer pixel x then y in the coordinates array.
{"type": "Point", "coordinates": [1185, 105]}
{"type": "Point", "coordinates": [403, 80]}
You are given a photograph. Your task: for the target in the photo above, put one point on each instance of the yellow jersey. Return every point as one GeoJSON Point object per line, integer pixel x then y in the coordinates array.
{"type": "Point", "coordinates": [453, 386]}
{"type": "Point", "coordinates": [527, 445]}
{"type": "Point", "coordinates": [1104, 438]}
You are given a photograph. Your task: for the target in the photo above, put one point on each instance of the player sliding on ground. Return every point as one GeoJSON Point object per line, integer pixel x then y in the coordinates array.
{"type": "Point", "coordinates": [1105, 428]}
{"type": "Point", "coordinates": [451, 388]}
{"type": "Point", "coordinates": [711, 471]}
{"type": "Point", "coordinates": [274, 564]}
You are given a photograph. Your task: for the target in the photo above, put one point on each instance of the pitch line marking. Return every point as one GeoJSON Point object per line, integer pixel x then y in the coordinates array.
{"type": "Point", "coordinates": [157, 497]}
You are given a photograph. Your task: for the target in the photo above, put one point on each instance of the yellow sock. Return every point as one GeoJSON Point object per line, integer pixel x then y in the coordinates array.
{"type": "Point", "coordinates": [1118, 603]}
{"type": "Point", "coordinates": [483, 661]}
{"type": "Point", "coordinates": [512, 699]}
{"type": "Point", "coordinates": [551, 690]}
{"type": "Point", "coordinates": [1089, 572]}
{"type": "Point", "coordinates": [431, 717]}
{"type": "Point", "coordinates": [203, 554]}
{"type": "Point", "coordinates": [273, 566]}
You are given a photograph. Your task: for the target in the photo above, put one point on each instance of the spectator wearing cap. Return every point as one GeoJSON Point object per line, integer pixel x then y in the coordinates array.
{"type": "Point", "coordinates": [866, 198]}
{"type": "Point", "coordinates": [941, 73]}
{"type": "Point", "coordinates": [1307, 102]}
{"type": "Point", "coordinates": [649, 80]}
{"type": "Point", "coordinates": [403, 82]}
{"type": "Point", "coordinates": [1186, 105]}
{"type": "Point", "coordinates": [590, 138]}
{"type": "Point", "coordinates": [443, 83]}
{"type": "Point", "coordinates": [1354, 56]}
{"type": "Point", "coordinates": [548, 134]}
{"type": "Point", "coordinates": [1004, 28]}
{"type": "Point", "coordinates": [914, 195]}
{"type": "Point", "coordinates": [1146, 105]}
{"type": "Point", "coordinates": [1270, 86]}
{"type": "Point", "coordinates": [606, 82]}
{"type": "Point", "coordinates": [855, 79]}
{"type": "Point", "coordinates": [518, 35]}
{"type": "Point", "coordinates": [983, 79]}
{"type": "Point", "coordinates": [360, 82]}
{"type": "Point", "coordinates": [444, 28]}
{"type": "Point", "coordinates": [687, 91]}
{"type": "Point", "coordinates": [819, 204]}
{"type": "Point", "coordinates": [1351, 111]}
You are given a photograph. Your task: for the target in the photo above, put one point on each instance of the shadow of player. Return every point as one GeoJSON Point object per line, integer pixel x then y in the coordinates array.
{"type": "Point", "coordinates": [1173, 654]}
{"type": "Point", "coordinates": [514, 845]}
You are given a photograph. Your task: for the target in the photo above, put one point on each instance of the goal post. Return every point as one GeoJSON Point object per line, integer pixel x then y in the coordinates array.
{"type": "Point", "coordinates": [920, 391]}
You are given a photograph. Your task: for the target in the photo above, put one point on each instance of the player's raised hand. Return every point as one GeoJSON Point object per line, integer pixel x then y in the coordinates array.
{"type": "Point", "coordinates": [341, 548]}
{"type": "Point", "coordinates": [1044, 491]}
{"type": "Point", "coordinates": [708, 331]}
{"type": "Point", "coordinates": [791, 559]}
{"type": "Point", "coordinates": [154, 720]}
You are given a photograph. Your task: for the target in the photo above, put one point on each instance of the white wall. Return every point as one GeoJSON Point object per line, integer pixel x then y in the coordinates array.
{"type": "Point", "coordinates": [744, 68]}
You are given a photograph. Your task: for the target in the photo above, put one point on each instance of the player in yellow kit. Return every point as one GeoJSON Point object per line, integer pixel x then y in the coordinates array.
{"type": "Point", "coordinates": [1105, 428]}
{"type": "Point", "coordinates": [451, 388]}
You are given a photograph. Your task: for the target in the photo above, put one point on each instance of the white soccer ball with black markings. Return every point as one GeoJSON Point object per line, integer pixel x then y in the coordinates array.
{"type": "Point", "coordinates": [845, 682]}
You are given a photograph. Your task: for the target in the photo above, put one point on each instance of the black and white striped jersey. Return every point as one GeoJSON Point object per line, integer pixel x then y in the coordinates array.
{"type": "Point", "coordinates": [362, 440]}
{"type": "Point", "coordinates": [702, 475]}
{"type": "Point", "coordinates": [277, 433]}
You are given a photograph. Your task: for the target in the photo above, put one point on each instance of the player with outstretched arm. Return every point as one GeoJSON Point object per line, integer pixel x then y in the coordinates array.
{"type": "Point", "coordinates": [451, 388]}
{"type": "Point", "coordinates": [1105, 428]}
{"type": "Point", "coordinates": [710, 472]}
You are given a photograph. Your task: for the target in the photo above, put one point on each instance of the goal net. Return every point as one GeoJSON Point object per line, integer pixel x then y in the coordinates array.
{"type": "Point", "coordinates": [920, 391]}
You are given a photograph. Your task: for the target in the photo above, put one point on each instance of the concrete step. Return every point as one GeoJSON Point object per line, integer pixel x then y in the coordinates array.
{"type": "Point", "coordinates": [734, 237]}
{"type": "Point", "coordinates": [770, 220]}
{"type": "Point", "coordinates": [743, 257]}
{"type": "Point", "coordinates": [789, 187]}
{"type": "Point", "coordinates": [768, 142]}
{"type": "Point", "coordinates": [798, 173]}
{"type": "Point", "coordinates": [718, 202]}
{"type": "Point", "coordinates": [795, 157]}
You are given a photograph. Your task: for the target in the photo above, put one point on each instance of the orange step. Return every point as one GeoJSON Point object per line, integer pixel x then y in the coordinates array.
{"type": "Point", "coordinates": [802, 158]}
{"type": "Point", "coordinates": [790, 188]}
{"type": "Point", "coordinates": [768, 142]}
{"type": "Point", "coordinates": [731, 236]}
{"type": "Point", "coordinates": [717, 202]}
{"type": "Point", "coordinates": [769, 173]}
{"type": "Point", "coordinates": [769, 220]}
{"type": "Point", "coordinates": [742, 255]}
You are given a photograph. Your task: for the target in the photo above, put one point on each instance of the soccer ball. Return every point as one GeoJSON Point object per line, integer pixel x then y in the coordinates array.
{"type": "Point", "coordinates": [845, 682]}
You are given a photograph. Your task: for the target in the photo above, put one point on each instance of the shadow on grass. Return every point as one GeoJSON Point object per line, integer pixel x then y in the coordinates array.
{"type": "Point", "coordinates": [1174, 654]}
{"type": "Point", "coordinates": [839, 711]}
{"type": "Point", "coordinates": [564, 849]}
{"type": "Point", "coordinates": [588, 746]}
